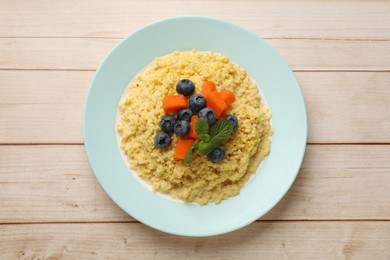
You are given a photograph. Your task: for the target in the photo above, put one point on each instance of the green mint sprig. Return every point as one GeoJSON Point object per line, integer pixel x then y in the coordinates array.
{"type": "Point", "coordinates": [210, 138]}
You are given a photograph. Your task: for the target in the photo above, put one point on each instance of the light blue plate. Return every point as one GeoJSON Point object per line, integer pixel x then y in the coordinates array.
{"type": "Point", "coordinates": [266, 67]}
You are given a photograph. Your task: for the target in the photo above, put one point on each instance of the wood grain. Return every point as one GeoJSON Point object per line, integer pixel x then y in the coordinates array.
{"type": "Point", "coordinates": [342, 107]}
{"type": "Point", "coordinates": [51, 183]}
{"type": "Point", "coordinates": [88, 53]}
{"type": "Point", "coordinates": [347, 107]}
{"type": "Point", "coordinates": [52, 205]}
{"type": "Point", "coordinates": [55, 184]}
{"type": "Point", "coordinates": [273, 240]}
{"type": "Point", "coordinates": [292, 19]}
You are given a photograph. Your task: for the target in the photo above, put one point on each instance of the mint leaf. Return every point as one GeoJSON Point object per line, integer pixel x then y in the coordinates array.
{"type": "Point", "coordinates": [204, 148]}
{"type": "Point", "coordinates": [188, 157]}
{"type": "Point", "coordinates": [201, 127]}
{"type": "Point", "coordinates": [220, 132]}
{"type": "Point", "coordinates": [218, 127]}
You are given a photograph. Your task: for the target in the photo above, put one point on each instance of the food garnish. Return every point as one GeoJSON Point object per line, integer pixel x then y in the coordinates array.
{"type": "Point", "coordinates": [210, 137]}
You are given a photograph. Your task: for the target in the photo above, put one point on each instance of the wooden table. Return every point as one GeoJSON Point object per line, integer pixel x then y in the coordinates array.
{"type": "Point", "coordinates": [51, 205]}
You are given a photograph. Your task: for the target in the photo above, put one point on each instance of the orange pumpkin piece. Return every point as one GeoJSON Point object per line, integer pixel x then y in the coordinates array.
{"type": "Point", "coordinates": [216, 103]}
{"type": "Point", "coordinates": [208, 87]}
{"type": "Point", "coordinates": [182, 147]}
{"type": "Point", "coordinates": [193, 134]}
{"type": "Point", "coordinates": [227, 96]}
{"type": "Point", "coordinates": [174, 103]}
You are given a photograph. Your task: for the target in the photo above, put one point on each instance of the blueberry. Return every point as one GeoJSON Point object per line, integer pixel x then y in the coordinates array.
{"type": "Point", "coordinates": [232, 119]}
{"type": "Point", "coordinates": [182, 128]}
{"type": "Point", "coordinates": [184, 114]}
{"type": "Point", "coordinates": [185, 87]}
{"type": "Point", "coordinates": [197, 102]}
{"type": "Point", "coordinates": [217, 154]}
{"type": "Point", "coordinates": [167, 123]}
{"type": "Point", "coordinates": [208, 114]}
{"type": "Point", "coordinates": [162, 140]}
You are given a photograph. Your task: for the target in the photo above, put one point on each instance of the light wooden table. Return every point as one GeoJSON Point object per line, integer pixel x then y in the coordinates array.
{"type": "Point", "coordinates": [51, 205]}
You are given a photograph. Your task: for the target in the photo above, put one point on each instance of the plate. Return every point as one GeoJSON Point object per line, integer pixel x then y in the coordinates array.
{"type": "Point", "coordinates": [266, 67]}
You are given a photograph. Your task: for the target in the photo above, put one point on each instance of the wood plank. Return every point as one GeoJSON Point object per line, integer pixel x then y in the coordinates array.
{"type": "Point", "coordinates": [347, 107]}
{"type": "Point", "coordinates": [333, 184]}
{"type": "Point", "coordinates": [55, 184]}
{"type": "Point", "coordinates": [49, 53]}
{"type": "Point", "coordinates": [31, 118]}
{"type": "Point", "coordinates": [293, 19]}
{"type": "Point", "coordinates": [44, 87]}
{"type": "Point", "coordinates": [88, 53]}
{"type": "Point", "coordinates": [42, 106]}
{"type": "Point", "coordinates": [270, 240]}
{"type": "Point", "coordinates": [342, 106]}
{"type": "Point", "coordinates": [51, 183]}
